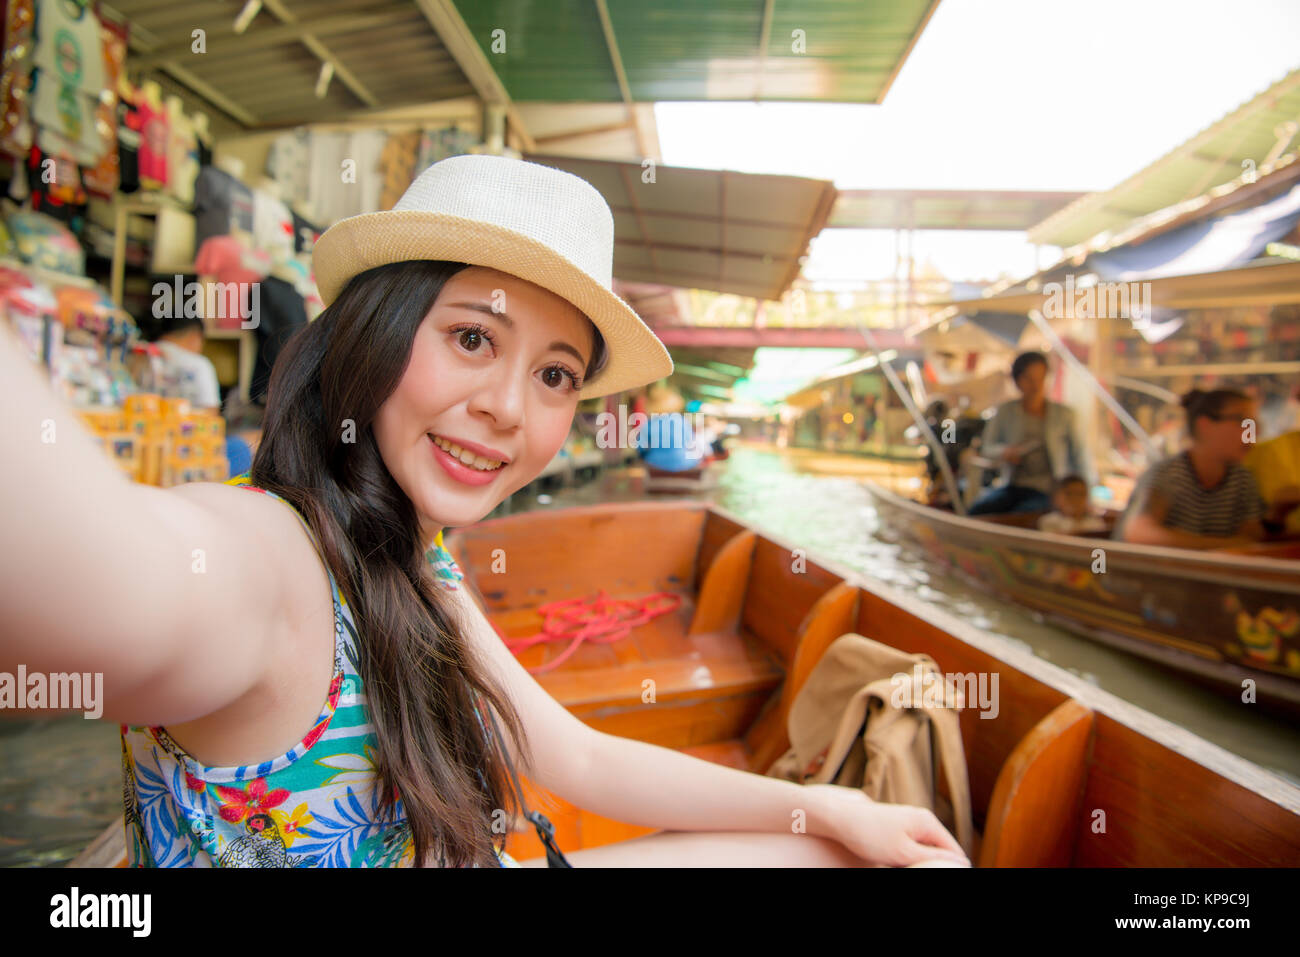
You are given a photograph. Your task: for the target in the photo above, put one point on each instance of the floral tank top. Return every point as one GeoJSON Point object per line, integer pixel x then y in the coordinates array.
{"type": "Point", "coordinates": [315, 806]}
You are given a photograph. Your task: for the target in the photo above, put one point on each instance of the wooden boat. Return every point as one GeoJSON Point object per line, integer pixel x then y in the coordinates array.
{"type": "Point", "coordinates": [1220, 617]}
{"type": "Point", "coordinates": [688, 481]}
{"type": "Point", "coordinates": [1065, 774]}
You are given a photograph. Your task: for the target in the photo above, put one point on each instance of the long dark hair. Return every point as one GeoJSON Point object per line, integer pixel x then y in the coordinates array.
{"type": "Point", "coordinates": [1208, 404]}
{"type": "Point", "coordinates": [421, 678]}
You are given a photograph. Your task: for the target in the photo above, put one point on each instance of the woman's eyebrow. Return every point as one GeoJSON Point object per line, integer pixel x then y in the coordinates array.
{"type": "Point", "coordinates": [509, 323]}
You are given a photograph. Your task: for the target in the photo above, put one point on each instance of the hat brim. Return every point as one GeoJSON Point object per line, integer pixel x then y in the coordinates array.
{"type": "Point", "coordinates": [353, 245]}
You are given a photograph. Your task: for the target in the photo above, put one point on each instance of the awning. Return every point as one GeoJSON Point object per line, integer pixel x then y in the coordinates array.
{"type": "Point", "coordinates": [945, 208]}
{"type": "Point", "coordinates": [384, 53]}
{"type": "Point", "coordinates": [1221, 242]}
{"type": "Point", "coordinates": [1249, 139]}
{"type": "Point", "coordinates": [394, 53]}
{"type": "Point", "coordinates": [742, 233]}
{"type": "Point", "coordinates": [1269, 283]}
{"type": "Point", "coordinates": [580, 51]}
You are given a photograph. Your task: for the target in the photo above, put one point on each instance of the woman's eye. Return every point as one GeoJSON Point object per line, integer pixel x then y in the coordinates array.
{"type": "Point", "coordinates": [555, 376]}
{"type": "Point", "coordinates": [471, 339]}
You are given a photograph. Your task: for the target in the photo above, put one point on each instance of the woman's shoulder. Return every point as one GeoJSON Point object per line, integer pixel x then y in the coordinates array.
{"type": "Point", "coordinates": [274, 534]}
{"type": "Point", "coordinates": [235, 501]}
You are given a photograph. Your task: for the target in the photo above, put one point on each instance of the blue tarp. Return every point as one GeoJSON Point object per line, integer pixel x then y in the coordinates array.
{"type": "Point", "coordinates": [1220, 242]}
{"type": "Point", "coordinates": [1006, 326]}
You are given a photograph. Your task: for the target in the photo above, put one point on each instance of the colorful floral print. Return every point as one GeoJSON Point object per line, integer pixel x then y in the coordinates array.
{"type": "Point", "coordinates": [317, 805]}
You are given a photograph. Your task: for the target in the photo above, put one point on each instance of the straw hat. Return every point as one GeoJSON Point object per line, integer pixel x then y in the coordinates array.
{"type": "Point", "coordinates": [540, 224]}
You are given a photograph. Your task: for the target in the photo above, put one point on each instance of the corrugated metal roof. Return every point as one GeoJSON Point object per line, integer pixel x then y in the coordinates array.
{"type": "Point", "coordinates": [385, 53]}
{"type": "Point", "coordinates": [945, 208]}
{"type": "Point", "coordinates": [742, 233]}
{"type": "Point", "coordinates": [636, 51]}
{"type": "Point", "coordinates": [1258, 132]}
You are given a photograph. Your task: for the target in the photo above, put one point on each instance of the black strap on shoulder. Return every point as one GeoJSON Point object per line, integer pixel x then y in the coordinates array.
{"type": "Point", "coordinates": [545, 829]}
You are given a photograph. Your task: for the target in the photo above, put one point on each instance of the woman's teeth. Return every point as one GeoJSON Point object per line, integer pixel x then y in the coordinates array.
{"type": "Point", "coordinates": [467, 457]}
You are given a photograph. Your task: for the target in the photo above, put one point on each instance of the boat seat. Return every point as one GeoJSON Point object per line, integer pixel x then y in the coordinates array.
{"type": "Point", "coordinates": [1033, 816]}
{"type": "Point", "coordinates": [691, 676]}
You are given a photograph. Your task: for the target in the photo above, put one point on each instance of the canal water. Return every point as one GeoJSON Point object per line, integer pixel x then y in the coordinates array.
{"type": "Point", "coordinates": [60, 779]}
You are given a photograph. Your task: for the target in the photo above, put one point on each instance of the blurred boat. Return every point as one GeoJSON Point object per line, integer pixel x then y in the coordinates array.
{"type": "Point", "coordinates": [1220, 617]}
{"type": "Point", "coordinates": [1047, 752]}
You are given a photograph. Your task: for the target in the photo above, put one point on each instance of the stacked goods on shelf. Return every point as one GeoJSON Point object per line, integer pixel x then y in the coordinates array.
{"type": "Point", "coordinates": [161, 441]}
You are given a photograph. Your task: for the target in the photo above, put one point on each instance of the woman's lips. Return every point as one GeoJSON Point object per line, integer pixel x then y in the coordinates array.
{"type": "Point", "coordinates": [459, 470]}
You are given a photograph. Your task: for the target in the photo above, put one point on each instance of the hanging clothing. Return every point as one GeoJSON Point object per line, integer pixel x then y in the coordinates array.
{"type": "Point", "coordinates": [305, 234]}
{"type": "Point", "coordinates": [129, 125]}
{"type": "Point", "coordinates": [316, 805]}
{"type": "Point", "coordinates": [153, 143]}
{"type": "Point", "coordinates": [282, 313]}
{"type": "Point", "coordinates": [68, 74]}
{"type": "Point", "coordinates": [325, 177]}
{"type": "Point", "coordinates": [67, 44]}
{"type": "Point", "coordinates": [221, 204]}
{"type": "Point", "coordinates": [367, 147]}
{"type": "Point", "coordinates": [102, 179]}
{"type": "Point", "coordinates": [182, 157]}
{"type": "Point", "coordinates": [397, 163]}
{"type": "Point", "coordinates": [272, 225]}
{"type": "Point", "coordinates": [65, 119]}
{"type": "Point", "coordinates": [288, 163]}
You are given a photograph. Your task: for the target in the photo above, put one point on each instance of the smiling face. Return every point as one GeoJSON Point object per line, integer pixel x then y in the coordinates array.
{"type": "Point", "coordinates": [493, 378]}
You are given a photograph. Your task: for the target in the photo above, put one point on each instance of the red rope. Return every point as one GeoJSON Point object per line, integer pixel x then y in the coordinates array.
{"type": "Point", "coordinates": [599, 619]}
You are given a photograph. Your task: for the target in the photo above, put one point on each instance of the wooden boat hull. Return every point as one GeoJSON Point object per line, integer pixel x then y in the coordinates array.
{"type": "Point", "coordinates": [1061, 773]}
{"type": "Point", "coordinates": [1222, 619]}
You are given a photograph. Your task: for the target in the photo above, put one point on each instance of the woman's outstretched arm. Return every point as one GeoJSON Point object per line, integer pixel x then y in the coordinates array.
{"type": "Point", "coordinates": [651, 786]}
{"type": "Point", "coordinates": [153, 588]}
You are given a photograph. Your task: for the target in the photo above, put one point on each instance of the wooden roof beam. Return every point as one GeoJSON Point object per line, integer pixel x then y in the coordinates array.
{"type": "Point", "coordinates": [624, 88]}
{"type": "Point", "coordinates": [272, 36]}
{"type": "Point", "coordinates": [456, 36]}
{"type": "Point", "coordinates": [278, 10]}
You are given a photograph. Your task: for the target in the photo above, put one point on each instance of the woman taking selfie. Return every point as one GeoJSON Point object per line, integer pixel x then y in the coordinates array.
{"type": "Point", "coordinates": [462, 329]}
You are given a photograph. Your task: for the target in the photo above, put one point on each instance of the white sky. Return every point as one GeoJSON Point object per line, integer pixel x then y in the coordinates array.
{"type": "Point", "coordinates": [1005, 94]}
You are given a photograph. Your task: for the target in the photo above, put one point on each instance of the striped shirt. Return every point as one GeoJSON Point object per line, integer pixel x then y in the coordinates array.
{"type": "Point", "coordinates": [1218, 512]}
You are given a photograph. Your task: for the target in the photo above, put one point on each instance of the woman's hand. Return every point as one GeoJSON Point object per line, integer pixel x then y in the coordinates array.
{"type": "Point", "coordinates": [894, 835]}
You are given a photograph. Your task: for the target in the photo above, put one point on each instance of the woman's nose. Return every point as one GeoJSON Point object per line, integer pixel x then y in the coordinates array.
{"type": "Point", "coordinates": [501, 397]}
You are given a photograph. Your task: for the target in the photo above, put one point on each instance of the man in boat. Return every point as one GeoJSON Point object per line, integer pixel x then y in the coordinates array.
{"type": "Point", "coordinates": [1203, 497]}
{"type": "Point", "coordinates": [1035, 441]}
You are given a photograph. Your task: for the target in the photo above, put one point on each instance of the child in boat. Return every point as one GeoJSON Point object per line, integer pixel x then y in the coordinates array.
{"type": "Point", "coordinates": [1203, 497]}
{"type": "Point", "coordinates": [1073, 513]}
{"type": "Point", "coordinates": [308, 685]}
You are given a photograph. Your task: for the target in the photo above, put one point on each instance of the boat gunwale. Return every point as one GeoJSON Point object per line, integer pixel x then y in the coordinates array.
{"type": "Point", "coordinates": [1258, 780]}
{"type": "Point", "coordinates": [1202, 565]}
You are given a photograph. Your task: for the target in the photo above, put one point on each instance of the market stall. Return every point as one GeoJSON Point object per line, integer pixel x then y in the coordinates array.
{"type": "Point", "coordinates": [154, 258]}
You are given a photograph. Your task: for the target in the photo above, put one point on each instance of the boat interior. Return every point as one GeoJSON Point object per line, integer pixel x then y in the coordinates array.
{"type": "Point", "coordinates": [1053, 780]}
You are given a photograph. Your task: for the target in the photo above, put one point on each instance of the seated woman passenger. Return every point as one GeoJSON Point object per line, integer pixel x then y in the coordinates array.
{"type": "Point", "coordinates": [1203, 497]}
